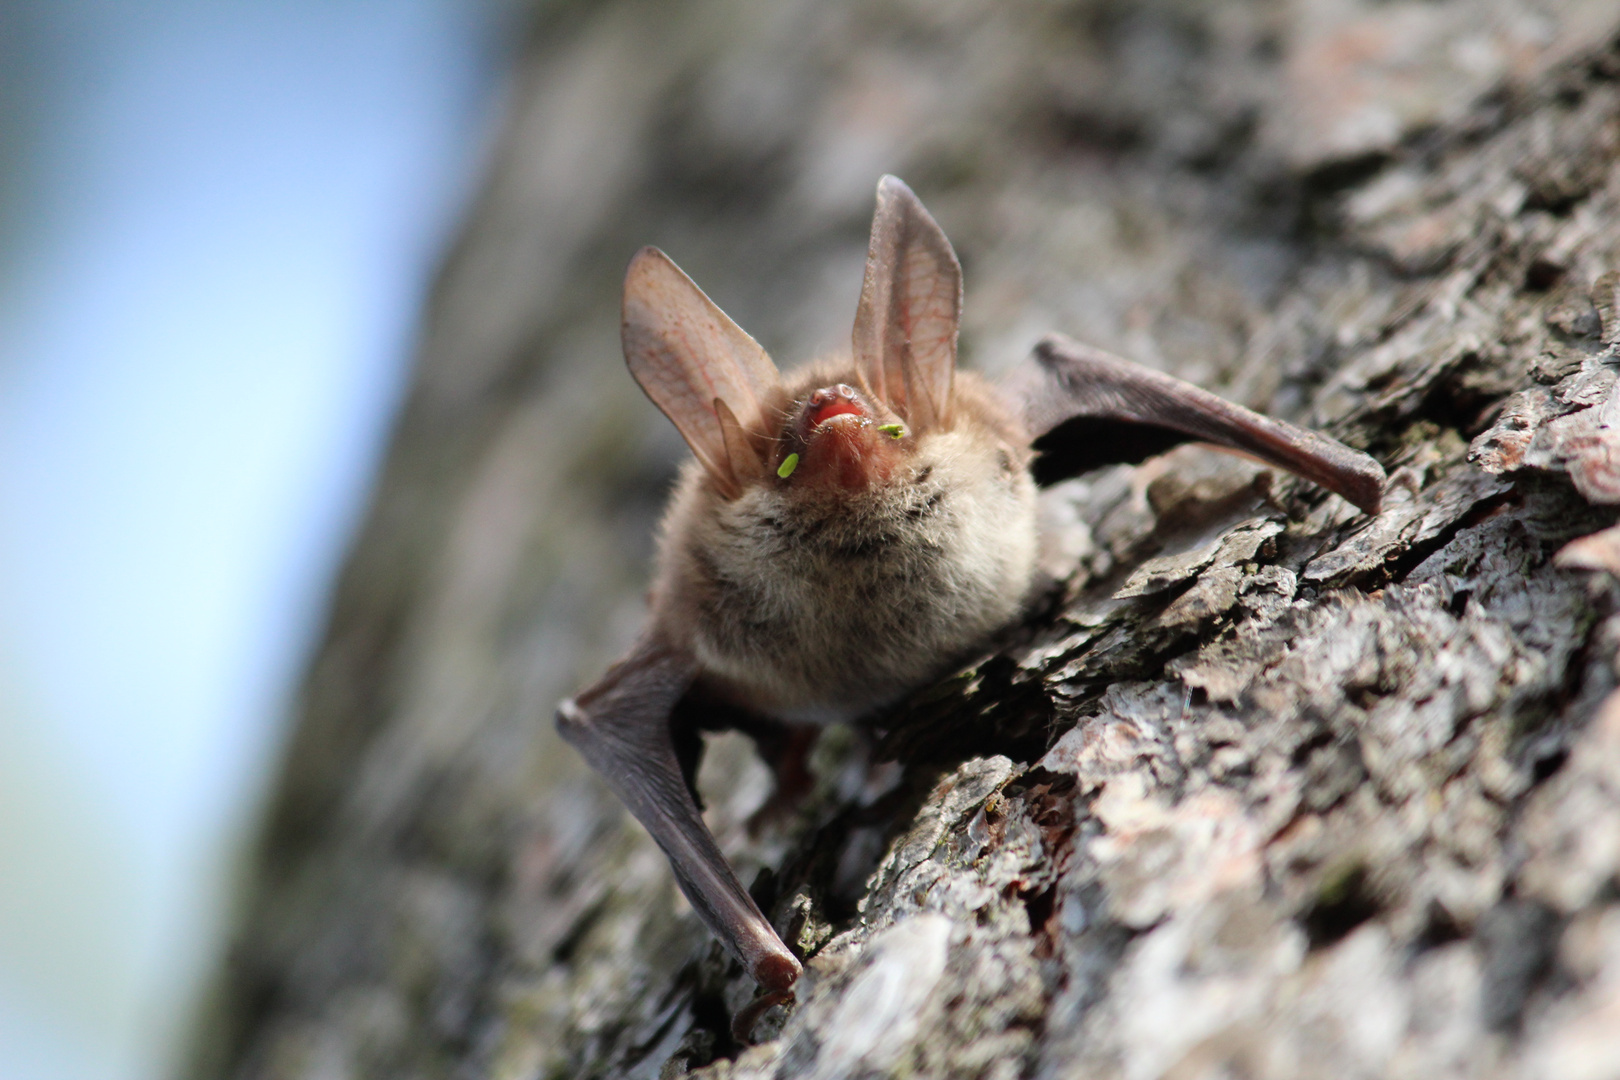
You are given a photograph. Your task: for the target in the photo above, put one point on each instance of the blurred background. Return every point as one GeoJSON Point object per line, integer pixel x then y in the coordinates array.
{"type": "Point", "coordinates": [217, 222]}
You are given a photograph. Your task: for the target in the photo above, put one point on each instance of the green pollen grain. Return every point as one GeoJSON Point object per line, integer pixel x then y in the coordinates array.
{"type": "Point", "coordinates": [894, 430]}
{"type": "Point", "coordinates": [789, 463]}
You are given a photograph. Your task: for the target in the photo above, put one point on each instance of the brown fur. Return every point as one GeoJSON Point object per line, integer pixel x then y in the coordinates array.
{"type": "Point", "coordinates": [809, 605]}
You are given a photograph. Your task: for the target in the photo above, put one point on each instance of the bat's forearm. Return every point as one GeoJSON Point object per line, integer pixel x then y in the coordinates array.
{"type": "Point", "coordinates": [621, 727]}
{"type": "Point", "coordinates": [1105, 409]}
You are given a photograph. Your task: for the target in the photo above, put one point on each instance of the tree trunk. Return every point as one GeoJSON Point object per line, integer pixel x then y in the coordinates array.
{"type": "Point", "coordinates": [1265, 788]}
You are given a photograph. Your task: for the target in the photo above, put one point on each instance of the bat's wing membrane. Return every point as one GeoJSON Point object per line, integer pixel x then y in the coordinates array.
{"type": "Point", "coordinates": [1085, 408]}
{"type": "Point", "coordinates": [910, 308]}
{"type": "Point", "coordinates": [707, 375]}
{"type": "Point", "coordinates": [621, 725]}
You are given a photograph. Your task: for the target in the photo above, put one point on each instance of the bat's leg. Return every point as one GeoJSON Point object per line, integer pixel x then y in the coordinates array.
{"type": "Point", "coordinates": [783, 747]}
{"type": "Point", "coordinates": [622, 727]}
{"type": "Point", "coordinates": [786, 749]}
{"type": "Point", "coordinates": [1085, 408]}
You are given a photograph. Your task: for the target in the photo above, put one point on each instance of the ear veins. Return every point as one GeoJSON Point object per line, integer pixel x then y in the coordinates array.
{"type": "Point", "coordinates": [911, 302]}
{"type": "Point", "coordinates": [933, 289]}
{"type": "Point", "coordinates": [689, 358]}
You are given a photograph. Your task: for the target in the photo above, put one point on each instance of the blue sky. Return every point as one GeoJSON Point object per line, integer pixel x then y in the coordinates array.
{"type": "Point", "coordinates": [216, 223]}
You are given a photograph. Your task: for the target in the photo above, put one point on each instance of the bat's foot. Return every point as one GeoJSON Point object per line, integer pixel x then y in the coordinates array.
{"type": "Point", "coordinates": [748, 1018]}
{"type": "Point", "coordinates": [786, 749]}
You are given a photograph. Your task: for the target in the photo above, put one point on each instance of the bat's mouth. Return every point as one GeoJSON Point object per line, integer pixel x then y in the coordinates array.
{"type": "Point", "coordinates": [834, 407]}
{"type": "Point", "coordinates": [837, 441]}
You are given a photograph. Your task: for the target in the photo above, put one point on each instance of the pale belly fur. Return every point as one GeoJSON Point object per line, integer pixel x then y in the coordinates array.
{"type": "Point", "coordinates": [820, 614]}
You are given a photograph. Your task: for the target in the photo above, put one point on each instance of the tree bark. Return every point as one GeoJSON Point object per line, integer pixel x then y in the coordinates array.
{"type": "Point", "coordinates": [1264, 787]}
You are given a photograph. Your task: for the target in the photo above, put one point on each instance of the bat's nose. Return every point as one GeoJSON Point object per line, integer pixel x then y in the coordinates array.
{"type": "Point", "coordinates": [829, 394]}
{"type": "Point", "coordinates": [831, 401]}
{"type": "Point", "coordinates": [833, 442]}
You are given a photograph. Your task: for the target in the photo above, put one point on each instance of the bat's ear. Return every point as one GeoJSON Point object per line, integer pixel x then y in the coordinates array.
{"type": "Point", "coordinates": [708, 376]}
{"type": "Point", "coordinates": [911, 306]}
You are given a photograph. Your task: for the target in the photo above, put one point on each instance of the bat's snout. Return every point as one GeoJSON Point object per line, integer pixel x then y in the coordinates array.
{"type": "Point", "coordinates": [833, 401]}
{"type": "Point", "coordinates": [838, 439]}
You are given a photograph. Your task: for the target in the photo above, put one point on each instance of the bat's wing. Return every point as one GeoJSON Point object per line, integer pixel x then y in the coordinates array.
{"type": "Point", "coordinates": [621, 726]}
{"type": "Point", "coordinates": [1085, 408]}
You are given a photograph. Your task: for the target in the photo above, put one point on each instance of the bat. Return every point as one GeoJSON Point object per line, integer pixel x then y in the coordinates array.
{"type": "Point", "coordinates": [842, 536]}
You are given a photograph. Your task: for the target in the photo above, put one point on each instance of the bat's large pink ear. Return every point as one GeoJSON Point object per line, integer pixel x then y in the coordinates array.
{"type": "Point", "coordinates": [911, 306]}
{"type": "Point", "coordinates": [708, 376]}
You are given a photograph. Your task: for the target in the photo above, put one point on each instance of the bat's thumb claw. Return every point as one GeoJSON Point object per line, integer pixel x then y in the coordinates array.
{"type": "Point", "coordinates": [570, 719]}
{"type": "Point", "coordinates": [1364, 484]}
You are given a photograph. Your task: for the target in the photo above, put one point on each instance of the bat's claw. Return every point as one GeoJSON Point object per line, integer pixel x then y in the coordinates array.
{"type": "Point", "coordinates": [743, 1024]}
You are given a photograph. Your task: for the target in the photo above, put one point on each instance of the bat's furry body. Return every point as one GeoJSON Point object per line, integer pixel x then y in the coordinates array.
{"type": "Point", "coordinates": [823, 605]}
{"type": "Point", "coordinates": [844, 536]}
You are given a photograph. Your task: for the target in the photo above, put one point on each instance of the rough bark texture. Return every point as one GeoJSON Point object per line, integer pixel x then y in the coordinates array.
{"type": "Point", "coordinates": [1265, 789]}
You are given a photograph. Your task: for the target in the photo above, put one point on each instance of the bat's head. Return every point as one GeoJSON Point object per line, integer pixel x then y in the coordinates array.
{"type": "Point", "coordinates": [831, 431]}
